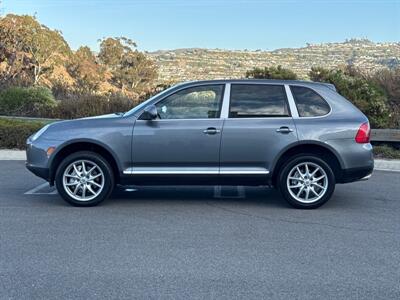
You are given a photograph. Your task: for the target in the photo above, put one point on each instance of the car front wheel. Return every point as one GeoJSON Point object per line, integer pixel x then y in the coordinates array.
{"type": "Point", "coordinates": [84, 179]}
{"type": "Point", "coordinates": [306, 181]}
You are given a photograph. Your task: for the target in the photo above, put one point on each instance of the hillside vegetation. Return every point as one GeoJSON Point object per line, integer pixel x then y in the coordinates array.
{"type": "Point", "coordinates": [197, 64]}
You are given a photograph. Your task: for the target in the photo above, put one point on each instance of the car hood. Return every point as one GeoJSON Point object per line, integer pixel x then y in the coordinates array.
{"type": "Point", "coordinates": [84, 127]}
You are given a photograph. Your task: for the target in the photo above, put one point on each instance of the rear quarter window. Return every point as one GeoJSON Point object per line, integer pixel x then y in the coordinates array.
{"type": "Point", "coordinates": [309, 103]}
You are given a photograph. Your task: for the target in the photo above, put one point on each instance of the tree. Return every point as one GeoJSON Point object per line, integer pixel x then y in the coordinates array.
{"type": "Point", "coordinates": [112, 50]}
{"type": "Point", "coordinates": [131, 70]}
{"type": "Point", "coordinates": [86, 71]}
{"type": "Point", "coordinates": [271, 73]}
{"type": "Point", "coordinates": [365, 94]}
{"type": "Point", "coordinates": [14, 62]}
{"type": "Point", "coordinates": [40, 47]}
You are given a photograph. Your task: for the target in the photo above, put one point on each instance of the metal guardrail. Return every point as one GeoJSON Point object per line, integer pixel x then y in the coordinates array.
{"type": "Point", "coordinates": [29, 119]}
{"type": "Point", "coordinates": [377, 135]}
{"type": "Point", "coordinates": [385, 135]}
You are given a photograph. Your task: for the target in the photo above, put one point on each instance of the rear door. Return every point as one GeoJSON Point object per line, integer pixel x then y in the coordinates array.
{"type": "Point", "coordinates": [257, 128]}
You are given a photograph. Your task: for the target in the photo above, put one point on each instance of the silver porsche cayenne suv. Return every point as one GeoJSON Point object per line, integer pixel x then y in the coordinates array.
{"type": "Point", "coordinates": [298, 136]}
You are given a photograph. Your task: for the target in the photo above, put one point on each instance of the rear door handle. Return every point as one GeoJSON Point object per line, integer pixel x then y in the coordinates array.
{"type": "Point", "coordinates": [211, 130]}
{"type": "Point", "coordinates": [284, 129]}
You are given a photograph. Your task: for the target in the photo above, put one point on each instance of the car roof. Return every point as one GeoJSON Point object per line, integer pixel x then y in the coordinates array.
{"type": "Point", "coordinates": [267, 81]}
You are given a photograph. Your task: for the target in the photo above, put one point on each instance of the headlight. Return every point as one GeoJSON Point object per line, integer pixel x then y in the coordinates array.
{"type": "Point", "coordinates": [39, 133]}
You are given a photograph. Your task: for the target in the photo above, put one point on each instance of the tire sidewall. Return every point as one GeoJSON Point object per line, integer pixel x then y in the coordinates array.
{"type": "Point", "coordinates": [101, 162]}
{"type": "Point", "coordinates": [285, 172]}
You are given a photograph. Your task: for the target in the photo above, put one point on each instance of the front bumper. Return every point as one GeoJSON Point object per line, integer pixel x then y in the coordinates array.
{"type": "Point", "coordinates": [37, 160]}
{"type": "Point", "coordinates": [39, 171]}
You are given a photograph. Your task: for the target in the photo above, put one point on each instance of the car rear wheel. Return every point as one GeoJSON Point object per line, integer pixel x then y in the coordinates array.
{"type": "Point", "coordinates": [306, 181]}
{"type": "Point", "coordinates": [84, 179]}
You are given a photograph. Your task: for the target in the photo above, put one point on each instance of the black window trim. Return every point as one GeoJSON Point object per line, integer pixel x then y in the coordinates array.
{"type": "Point", "coordinates": [289, 115]}
{"type": "Point", "coordinates": [311, 89]}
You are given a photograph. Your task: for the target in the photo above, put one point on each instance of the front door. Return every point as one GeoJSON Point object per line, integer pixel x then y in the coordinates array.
{"type": "Point", "coordinates": [185, 138]}
{"type": "Point", "coordinates": [257, 128]}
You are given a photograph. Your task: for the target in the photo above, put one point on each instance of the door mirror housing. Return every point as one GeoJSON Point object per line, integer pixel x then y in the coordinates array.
{"type": "Point", "coordinates": [150, 113]}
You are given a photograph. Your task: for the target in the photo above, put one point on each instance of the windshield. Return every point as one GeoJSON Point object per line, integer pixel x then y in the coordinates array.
{"type": "Point", "coordinates": [143, 104]}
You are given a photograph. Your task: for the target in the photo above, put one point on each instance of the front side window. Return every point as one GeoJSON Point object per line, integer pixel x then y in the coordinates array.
{"type": "Point", "coordinates": [258, 101]}
{"type": "Point", "coordinates": [201, 102]}
{"type": "Point", "coordinates": [308, 102]}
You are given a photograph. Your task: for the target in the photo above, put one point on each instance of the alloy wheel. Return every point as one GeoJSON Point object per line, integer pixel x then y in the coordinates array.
{"type": "Point", "coordinates": [83, 180]}
{"type": "Point", "coordinates": [307, 182]}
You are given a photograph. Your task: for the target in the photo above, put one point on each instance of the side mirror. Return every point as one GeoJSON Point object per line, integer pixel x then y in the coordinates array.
{"type": "Point", "coordinates": [150, 113]}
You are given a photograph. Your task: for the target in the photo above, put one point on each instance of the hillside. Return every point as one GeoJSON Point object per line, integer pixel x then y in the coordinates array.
{"type": "Point", "coordinates": [196, 64]}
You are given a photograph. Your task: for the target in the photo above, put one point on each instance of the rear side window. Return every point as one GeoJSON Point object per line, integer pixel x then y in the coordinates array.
{"type": "Point", "coordinates": [308, 102]}
{"type": "Point", "coordinates": [258, 101]}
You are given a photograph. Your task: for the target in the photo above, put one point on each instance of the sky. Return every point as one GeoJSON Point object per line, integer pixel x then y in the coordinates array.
{"type": "Point", "coordinates": [224, 24]}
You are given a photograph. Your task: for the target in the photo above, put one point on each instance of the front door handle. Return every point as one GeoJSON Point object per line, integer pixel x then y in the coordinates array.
{"type": "Point", "coordinates": [284, 129]}
{"type": "Point", "coordinates": [211, 130]}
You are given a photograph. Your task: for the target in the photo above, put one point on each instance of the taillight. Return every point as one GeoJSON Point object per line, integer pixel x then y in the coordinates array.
{"type": "Point", "coordinates": [363, 133]}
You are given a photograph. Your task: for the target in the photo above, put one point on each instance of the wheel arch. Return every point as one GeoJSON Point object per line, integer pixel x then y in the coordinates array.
{"type": "Point", "coordinates": [83, 145]}
{"type": "Point", "coordinates": [324, 151]}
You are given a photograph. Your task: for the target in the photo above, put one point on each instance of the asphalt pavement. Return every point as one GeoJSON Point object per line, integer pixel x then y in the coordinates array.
{"type": "Point", "coordinates": [198, 243]}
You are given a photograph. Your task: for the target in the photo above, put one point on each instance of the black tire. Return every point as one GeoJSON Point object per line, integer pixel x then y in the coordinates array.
{"type": "Point", "coordinates": [91, 157]}
{"type": "Point", "coordinates": [289, 165]}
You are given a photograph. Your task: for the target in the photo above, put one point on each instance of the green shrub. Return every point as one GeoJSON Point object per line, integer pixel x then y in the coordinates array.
{"type": "Point", "coordinates": [386, 151]}
{"type": "Point", "coordinates": [13, 133]}
{"type": "Point", "coordinates": [271, 73]}
{"type": "Point", "coordinates": [88, 105]}
{"type": "Point", "coordinates": [363, 93]}
{"type": "Point", "coordinates": [389, 80]}
{"type": "Point", "coordinates": [19, 101]}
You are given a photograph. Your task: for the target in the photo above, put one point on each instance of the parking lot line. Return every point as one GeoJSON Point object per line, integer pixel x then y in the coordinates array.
{"type": "Point", "coordinates": [239, 189]}
{"type": "Point", "coordinates": [36, 190]}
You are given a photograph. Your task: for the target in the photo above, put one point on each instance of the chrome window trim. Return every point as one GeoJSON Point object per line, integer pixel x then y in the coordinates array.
{"type": "Point", "coordinates": [323, 98]}
{"type": "Point", "coordinates": [208, 119]}
{"type": "Point", "coordinates": [224, 114]}
{"type": "Point", "coordinates": [182, 89]}
{"type": "Point", "coordinates": [292, 103]}
{"type": "Point", "coordinates": [259, 118]}
{"type": "Point", "coordinates": [225, 102]}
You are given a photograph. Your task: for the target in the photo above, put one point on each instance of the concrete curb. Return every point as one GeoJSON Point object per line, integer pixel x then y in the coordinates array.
{"type": "Point", "coordinates": [6, 154]}
{"type": "Point", "coordinates": [380, 164]}
{"type": "Point", "coordinates": [387, 165]}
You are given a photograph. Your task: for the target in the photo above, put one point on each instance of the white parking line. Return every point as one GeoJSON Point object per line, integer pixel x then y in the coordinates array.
{"type": "Point", "coordinates": [241, 193]}
{"type": "Point", "coordinates": [36, 190]}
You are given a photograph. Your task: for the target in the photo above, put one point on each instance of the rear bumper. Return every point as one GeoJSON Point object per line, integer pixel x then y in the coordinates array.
{"type": "Point", "coordinates": [356, 174]}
